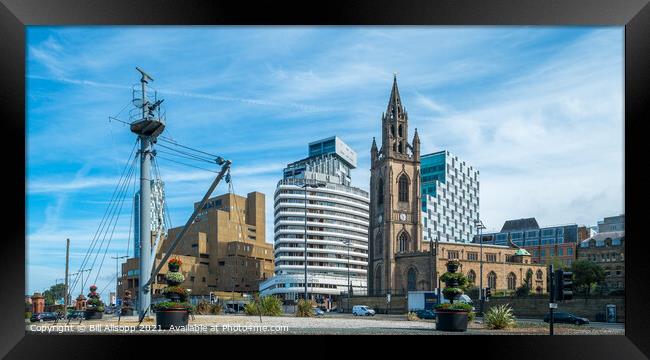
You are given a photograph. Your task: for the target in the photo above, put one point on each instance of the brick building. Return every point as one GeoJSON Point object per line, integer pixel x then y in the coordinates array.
{"type": "Point", "coordinates": [607, 250]}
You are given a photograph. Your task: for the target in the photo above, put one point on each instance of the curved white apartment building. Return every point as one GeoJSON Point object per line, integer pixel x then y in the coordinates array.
{"type": "Point", "coordinates": [337, 227]}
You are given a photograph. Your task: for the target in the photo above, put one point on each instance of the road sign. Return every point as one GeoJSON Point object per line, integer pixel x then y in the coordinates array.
{"type": "Point", "coordinates": [552, 305]}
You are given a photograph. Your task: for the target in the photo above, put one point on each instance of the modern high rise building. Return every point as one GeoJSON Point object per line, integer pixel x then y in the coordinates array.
{"type": "Point", "coordinates": [336, 221]}
{"type": "Point", "coordinates": [450, 198]}
{"type": "Point", "coordinates": [158, 227]}
{"type": "Point", "coordinates": [612, 223]}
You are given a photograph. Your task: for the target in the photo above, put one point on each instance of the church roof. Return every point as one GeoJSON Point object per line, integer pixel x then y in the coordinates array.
{"type": "Point", "coordinates": [522, 252]}
{"type": "Point", "coordinates": [395, 102]}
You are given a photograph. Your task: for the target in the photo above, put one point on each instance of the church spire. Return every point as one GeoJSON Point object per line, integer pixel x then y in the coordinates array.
{"type": "Point", "coordinates": [395, 102]}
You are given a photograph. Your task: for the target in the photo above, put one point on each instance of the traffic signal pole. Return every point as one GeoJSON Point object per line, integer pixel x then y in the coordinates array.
{"type": "Point", "coordinates": [551, 297]}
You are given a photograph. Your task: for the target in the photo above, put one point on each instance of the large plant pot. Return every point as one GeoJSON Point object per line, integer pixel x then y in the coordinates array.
{"type": "Point", "coordinates": [93, 315]}
{"type": "Point", "coordinates": [451, 320]}
{"type": "Point", "coordinates": [452, 268]}
{"type": "Point", "coordinates": [166, 318]}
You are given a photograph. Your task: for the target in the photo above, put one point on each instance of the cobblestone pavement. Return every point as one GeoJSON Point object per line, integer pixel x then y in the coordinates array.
{"type": "Point", "coordinates": [329, 324]}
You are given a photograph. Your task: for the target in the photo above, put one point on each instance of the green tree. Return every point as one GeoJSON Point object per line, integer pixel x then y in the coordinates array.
{"type": "Point", "coordinates": [557, 263]}
{"type": "Point", "coordinates": [526, 287]}
{"type": "Point", "coordinates": [54, 293]}
{"type": "Point", "coordinates": [586, 275]}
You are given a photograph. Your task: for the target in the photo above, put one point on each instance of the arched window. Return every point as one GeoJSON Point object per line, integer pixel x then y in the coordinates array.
{"type": "Point", "coordinates": [377, 284]}
{"type": "Point", "coordinates": [492, 280]}
{"type": "Point", "coordinates": [471, 276]}
{"type": "Point", "coordinates": [392, 130]}
{"type": "Point", "coordinates": [399, 130]}
{"type": "Point", "coordinates": [403, 242]}
{"type": "Point", "coordinates": [401, 147]}
{"type": "Point", "coordinates": [380, 192]}
{"type": "Point", "coordinates": [379, 245]}
{"type": "Point", "coordinates": [411, 276]}
{"type": "Point", "coordinates": [540, 275]}
{"type": "Point", "coordinates": [403, 188]}
{"type": "Point", "coordinates": [395, 146]}
{"type": "Point", "coordinates": [512, 281]}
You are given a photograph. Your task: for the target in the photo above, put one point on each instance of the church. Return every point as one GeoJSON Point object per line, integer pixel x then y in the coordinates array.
{"type": "Point", "coordinates": [399, 260]}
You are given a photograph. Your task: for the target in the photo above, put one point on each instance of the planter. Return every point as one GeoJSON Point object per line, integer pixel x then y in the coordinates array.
{"type": "Point", "coordinates": [126, 312]}
{"type": "Point", "coordinates": [173, 267]}
{"type": "Point", "coordinates": [452, 268]}
{"type": "Point", "coordinates": [166, 318]}
{"type": "Point", "coordinates": [93, 315]}
{"type": "Point", "coordinates": [450, 320]}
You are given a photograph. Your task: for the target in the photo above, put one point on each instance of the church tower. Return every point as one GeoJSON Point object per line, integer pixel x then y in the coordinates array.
{"type": "Point", "coordinates": [395, 221]}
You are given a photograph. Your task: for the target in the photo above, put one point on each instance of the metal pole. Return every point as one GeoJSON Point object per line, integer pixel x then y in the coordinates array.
{"type": "Point", "coordinates": [305, 188]}
{"type": "Point", "coordinates": [145, 217]}
{"type": "Point", "coordinates": [480, 239]}
{"type": "Point", "coordinates": [117, 272]}
{"type": "Point", "coordinates": [349, 285]}
{"type": "Point", "coordinates": [551, 297]}
{"type": "Point", "coordinates": [65, 288]}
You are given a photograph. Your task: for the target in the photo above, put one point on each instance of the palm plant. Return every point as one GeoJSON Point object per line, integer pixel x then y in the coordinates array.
{"type": "Point", "coordinates": [499, 317]}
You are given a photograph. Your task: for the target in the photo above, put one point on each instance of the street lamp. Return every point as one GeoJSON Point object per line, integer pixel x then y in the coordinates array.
{"type": "Point", "coordinates": [479, 229]}
{"type": "Point", "coordinates": [348, 242]}
{"type": "Point", "coordinates": [305, 186]}
{"type": "Point", "coordinates": [117, 272]}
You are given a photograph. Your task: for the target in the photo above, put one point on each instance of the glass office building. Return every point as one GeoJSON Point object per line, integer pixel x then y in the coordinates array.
{"type": "Point", "coordinates": [450, 198]}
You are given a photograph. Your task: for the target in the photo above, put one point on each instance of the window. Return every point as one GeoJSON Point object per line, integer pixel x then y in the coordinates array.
{"type": "Point", "coordinates": [569, 251]}
{"type": "Point", "coordinates": [491, 257]}
{"type": "Point", "coordinates": [472, 256]}
{"type": "Point", "coordinates": [403, 188]}
{"type": "Point", "coordinates": [411, 279]}
{"type": "Point", "coordinates": [512, 281]}
{"type": "Point", "coordinates": [540, 275]}
{"type": "Point", "coordinates": [471, 277]}
{"type": "Point", "coordinates": [559, 252]}
{"type": "Point", "coordinates": [380, 192]}
{"type": "Point", "coordinates": [492, 280]}
{"type": "Point", "coordinates": [378, 245]}
{"type": "Point", "coordinates": [452, 254]}
{"type": "Point", "coordinates": [403, 241]}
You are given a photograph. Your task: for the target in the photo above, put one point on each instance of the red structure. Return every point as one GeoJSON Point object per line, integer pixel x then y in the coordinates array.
{"type": "Point", "coordinates": [38, 303]}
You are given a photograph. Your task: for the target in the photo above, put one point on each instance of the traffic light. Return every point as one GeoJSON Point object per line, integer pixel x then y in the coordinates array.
{"type": "Point", "coordinates": [564, 285]}
{"type": "Point", "coordinates": [487, 292]}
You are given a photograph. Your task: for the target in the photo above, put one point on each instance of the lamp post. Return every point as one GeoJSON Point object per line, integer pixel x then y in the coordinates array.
{"type": "Point", "coordinates": [305, 186]}
{"type": "Point", "coordinates": [117, 279]}
{"type": "Point", "coordinates": [479, 229]}
{"type": "Point", "coordinates": [436, 256]}
{"type": "Point", "coordinates": [348, 242]}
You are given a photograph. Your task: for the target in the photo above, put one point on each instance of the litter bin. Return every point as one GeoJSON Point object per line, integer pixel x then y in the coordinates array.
{"type": "Point", "coordinates": [611, 313]}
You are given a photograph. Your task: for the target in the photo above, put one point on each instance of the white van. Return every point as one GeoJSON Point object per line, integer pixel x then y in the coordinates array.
{"type": "Point", "coordinates": [463, 299]}
{"type": "Point", "coordinates": [362, 310]}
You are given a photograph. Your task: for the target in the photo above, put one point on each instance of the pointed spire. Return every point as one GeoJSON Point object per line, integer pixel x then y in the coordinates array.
{"type": "Point", "coordinates": [416, 137]}
{"type": "Point", "coordinates": [374, 145]}
{"type": "Point", "coordinates": [395, 102]}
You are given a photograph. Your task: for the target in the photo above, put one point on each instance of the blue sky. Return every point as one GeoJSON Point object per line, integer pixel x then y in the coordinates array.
{"type": "Point", "coordinates": [538, 110]}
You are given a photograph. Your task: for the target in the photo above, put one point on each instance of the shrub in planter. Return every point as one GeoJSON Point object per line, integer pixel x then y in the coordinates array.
{"type": "Point", "coordinates": [411, 316]}
{"type": "Point", "coordinates": [216, 309]}
{"type": "Point", "coordinates": [94, 305]}
{"type": "Point", "coordinates": [499, 317]}
{"type": "Point", "coordinates": [174, 312]}
{"type": "Point", "coordinates": [271, 306]}
{"type": "Point", "coordinates": [175, 278]}
{"type": "Point", "coordinates": [203, 308]}
{"type": "Point", "coordinates": [304, 308]}
{"type": "Point", "coordinates": [251, 309]}
{"type": "Point", "coordinates": [453, 316]}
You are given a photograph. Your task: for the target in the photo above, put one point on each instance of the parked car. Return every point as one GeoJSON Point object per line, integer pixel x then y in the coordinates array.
{"type": "Point", "coordinates": [109, 310]}
{"type": "Point", "coordinates": [425, 314]}
{"type": "Point", "coordinates": [230, 310]}
{"type": "Point", "coordinates": [44, 316]}
{"type": "Point", "coordinates": [362, 310]}
{"type": "Point", "coordinates": [318, 312]}
{"type": "Point", "coordinates": [566, 318]}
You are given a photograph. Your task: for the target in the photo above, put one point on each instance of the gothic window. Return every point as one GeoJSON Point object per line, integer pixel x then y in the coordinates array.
{"type": "Point", "coordinates": [379, 245]}
{"type": "Point", "coordinates": [492, 280]}
{"type": "Point", "coordinates": [399, 130]}
{"type": "Point", "coordinates": [377, 284]}
{"type": "Point", "coordinates": [512, 281]}
{"type": "Point", "coordinates": [411, 280]}
{"type": "Point", "coordinates": [471, 276]}
{"type": "Point", "coordinates": [401, 147]}
{"type": "Point", "coordinates": [540, 275]}
{"type": "Point", "coordinates": [392, 130]}
{"type": "Point", "coordinates": [403, 188]}
{"type": "Point", "coordinates": [380, 192]}
{"type": "Point", "coordinates": [403, 242]}
{"type": "Point", "coordinates": [395, 146]}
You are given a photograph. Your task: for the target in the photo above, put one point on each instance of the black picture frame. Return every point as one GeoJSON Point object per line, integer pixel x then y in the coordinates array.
{"type": "Point", "coordinates": [633, 14]}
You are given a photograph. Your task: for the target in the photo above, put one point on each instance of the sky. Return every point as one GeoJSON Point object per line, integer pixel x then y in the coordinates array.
{"type": "Point", "coordinates": [538, 110]}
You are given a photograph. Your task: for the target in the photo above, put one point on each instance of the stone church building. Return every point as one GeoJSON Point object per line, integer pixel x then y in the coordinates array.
{"type": "Point", "coordinates": [398, 258]}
